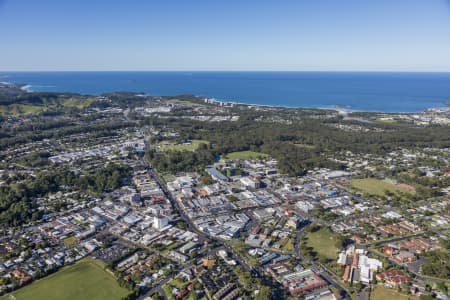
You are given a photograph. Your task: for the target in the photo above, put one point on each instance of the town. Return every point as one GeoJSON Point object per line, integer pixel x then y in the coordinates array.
{"type": "Point", "coordinates": [138, 191]}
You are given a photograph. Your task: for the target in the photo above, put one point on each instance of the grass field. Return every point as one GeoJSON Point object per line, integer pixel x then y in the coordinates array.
{"type": "Point", "coordinates": [84, 280]}
{"type": "Point", "coordinates": [168, 177]}
{"type": "Point", "coordinates": [323, 242]}
{"type": "Point", "coordinates": [184, 147]}
{"type": "Point", "coordinates": [78, 103]}
{"type": "Point", "coordinates": [19, 109]}
{"type": "Point", "coordinates": [245, 155]}
{"type": "Point", "coordinates": [177, 283]}
{"type": "Point", "coordinates": [176, 101]}
{"type": "Point", "coordinates": [306, 146]}
{"type": "Point", "coordinates": [70, 241]}
{"type": "Point", "coordinates": [382, 293]}
{"type": "Point", "coordinates": [289, 245]}
{"type": "Point", "coordinates": [376, 187]}
{"type": "Point", "coordinates": [24, 109]}
{"type": "Point", "coordinates": [387, 120]}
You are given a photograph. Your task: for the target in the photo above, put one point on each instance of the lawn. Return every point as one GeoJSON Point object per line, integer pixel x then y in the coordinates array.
{"type": "Point", "coordinates": [382, 293]}
{"type": "Point", "coordinates": [171, 246]}
{"type": "Point", "coordinates": [19, 109]}
{"type": "Point", "coordinates": [177, 283]}
{"type": "Point", "coordinates": [376, 187]}
{"type": "Point", "coordinates": [289, 245]}
{"type": "Point", "coordinates": [185, 102]}
{"type": "Point", "coordinates": [78, 103]}
{"type": "Point", "coordinates": [86, 279]}
{"type": "Point", "coordinates": [245, 155]}
{"type": "Point", "coordinates": [70, 241]}
{"type": "Point", "coordinates": [168, 177]}
{"type": "Point", "coordinates": [306, 146]}
{"type": "Point", "coordinates": [386, 120]}
{"type": "Point", "coordinates": [29, 109]}
{"type": "Point", "coordinates": [185, 147]}
{"type": "Point", "coordinates": [168, 291]}
{"type": "Point", "coordinates": [323, 242]}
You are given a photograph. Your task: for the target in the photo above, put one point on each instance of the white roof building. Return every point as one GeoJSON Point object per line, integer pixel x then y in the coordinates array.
{"type": "Point", "coordinates": [160, 222]}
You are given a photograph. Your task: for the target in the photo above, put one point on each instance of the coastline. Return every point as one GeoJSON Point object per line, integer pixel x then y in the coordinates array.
{"type": "Point", "coordinates": [340, 109]}
{"type": "Point", "coordinates": [27, 88]}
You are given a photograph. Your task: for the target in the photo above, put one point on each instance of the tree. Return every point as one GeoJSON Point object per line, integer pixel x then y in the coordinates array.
{"type": "Point", "coordinates": [265, 293]}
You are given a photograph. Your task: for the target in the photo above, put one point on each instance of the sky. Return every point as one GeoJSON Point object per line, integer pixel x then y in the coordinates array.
{"type": "Point", "coordinates": [297, 35]}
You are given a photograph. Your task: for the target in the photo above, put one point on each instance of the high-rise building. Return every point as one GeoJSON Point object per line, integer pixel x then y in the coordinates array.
{"type": "Point", "coordinates": [160, 222]}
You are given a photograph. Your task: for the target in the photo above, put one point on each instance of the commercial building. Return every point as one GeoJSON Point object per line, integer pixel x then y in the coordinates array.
{"type": "Point", "coordinates": [159, 222]}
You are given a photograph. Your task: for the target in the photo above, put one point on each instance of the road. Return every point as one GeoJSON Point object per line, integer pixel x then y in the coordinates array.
{"type": "Point", "coordinates": [417, 275]}
{"type": "Point", "coordinates": [158, 286]}
{"type": "Point", "coordinates": [191, 227]}
{"type": "Point", "coordinates": [316, 267]}
{"type": "Point", "coordinates": [394, 239]}
{"type": "Point", "coordinates": [298, 236]}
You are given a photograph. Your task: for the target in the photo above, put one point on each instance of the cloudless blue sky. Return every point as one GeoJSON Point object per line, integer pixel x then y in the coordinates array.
{"type": "Point", "coordinates": [403, 35]}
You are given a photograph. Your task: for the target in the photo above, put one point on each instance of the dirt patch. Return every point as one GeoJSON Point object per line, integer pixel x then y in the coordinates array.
{"type": "Point", "coordinates": [406, 187]}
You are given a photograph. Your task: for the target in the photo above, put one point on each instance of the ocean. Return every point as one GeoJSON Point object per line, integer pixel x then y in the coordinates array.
{"type": "Point", "coordinates": [360, 91]}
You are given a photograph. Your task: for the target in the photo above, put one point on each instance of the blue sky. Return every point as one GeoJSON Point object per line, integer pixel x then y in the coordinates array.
{"type": "Point", "coordinates": [402, 35]}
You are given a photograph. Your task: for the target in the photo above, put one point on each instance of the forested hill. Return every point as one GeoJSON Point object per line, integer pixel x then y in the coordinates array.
{"type": "Point", "coordinates": [299, 146]}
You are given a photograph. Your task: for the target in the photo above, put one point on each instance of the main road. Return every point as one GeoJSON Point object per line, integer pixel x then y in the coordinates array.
{"type": "Point", "coordinates": [318, 267]}
{"type": "Point", "coordinates": [322, 270]}
{"type": "Point", "coordinates": [188, 221]}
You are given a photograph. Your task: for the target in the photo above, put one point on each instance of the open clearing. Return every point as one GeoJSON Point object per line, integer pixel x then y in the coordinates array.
{"type": "Point", "coordinates": [78, 103]}
{"type": "Point", "coordinates": [288, 246]}
{"type": "Point", "coordinates": [20, 109]}
{"type": "Point", "coordinates": [382, 293]}
{"type": "Point", "coordinates": [70, 241]}
{"type": "Point", "coordinates": [86, 279]}
{"type": "Point", "coordinates": [378, 187]}
{"type": "Point", "coordinates": [192, 146]}
{"type": "Point", "coordinates": [323, 242]}
{"type": "Point", "coordinates": [185, 102]}
{"type": "Point", "coordinates": [245, 155]}
{"type": "Point", "coordinates": [25, 109]}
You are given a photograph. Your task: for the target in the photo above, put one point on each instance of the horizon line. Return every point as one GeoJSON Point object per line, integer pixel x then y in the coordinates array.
{"type": "Point", "coordinates": [237, 70]}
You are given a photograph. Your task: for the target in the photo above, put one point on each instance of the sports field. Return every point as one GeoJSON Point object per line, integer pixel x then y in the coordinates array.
{"type": "Point", "coordinates": [323, 242]}
{"type": "Point", "coordinates": [378, 187]}
{"type": "Point", "coordinates": [185, 147]}
{"type": "Point", "coordinates": [245, 155]}
{"type": "Point", "coordinates": [86, 279]}
{"type": "Point", "coordinates": [383, 293]}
